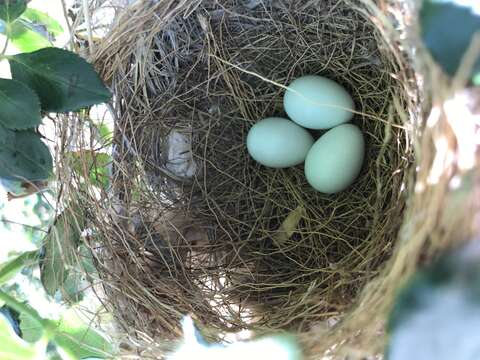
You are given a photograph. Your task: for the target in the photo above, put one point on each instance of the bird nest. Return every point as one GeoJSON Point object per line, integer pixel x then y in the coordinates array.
{"type": "Point", "coordinates": [192, 225]}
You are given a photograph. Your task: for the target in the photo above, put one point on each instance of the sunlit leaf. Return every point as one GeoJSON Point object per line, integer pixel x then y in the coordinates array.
{"type": "Point", "coordinates": [63, 80]}
{"type": "Point", "coordinates": [106, 133]}
{"type": "Point", "coordinates": [9, 269]}
{"type": "Point", "coordinates": [92, 165]}
{"type": "Point", "coordinates": [40, 18]}
{"type": "Point", "coordinates": [12, 347]}
{"type": "Point", "coordinates": [81, 339]}
{"type": "Point", "coordinates": [32, 331]}
{"type": "Point", "coordinates": [26, 38]}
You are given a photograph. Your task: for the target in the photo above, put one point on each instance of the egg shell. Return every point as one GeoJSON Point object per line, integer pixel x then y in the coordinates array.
{"type": "Point", "coordinates": [278, 143]}
{"type": "Point", "coordinates": [335, 160]}
{"type": "Point", "coordinates": [316, 102]}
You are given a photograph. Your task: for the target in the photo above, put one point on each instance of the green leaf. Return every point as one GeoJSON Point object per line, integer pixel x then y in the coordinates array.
{"type": "Point", "coordinates": [12, 9]}
{"type": "Point", "coordinates": [73, 289]}
{"type": "Point", "coordinates": [13, 347]}
{"type": "Point", "coordinates": [40, 18]}
{"type": "Point", "coordinates": [19, 105]}
{"type": "Point", "coordinates": [32, 331]}
{"type": "Point", "coordinates": [26, 38]}
{"type": "Point", "coordinates": [80, 339]}
{"type": "Point", "coordinates": [447, 29]}
{"type": "Point", "coordinates": [4, 134]}
{"type": "Point", "coordinates": [71, 334]}
{"type": "Point", "coordinates": [86, 258]}
{"type": "Point", "coordinates": [92, 165]}
{"type": "Point", "coordinates": [9, 269]}
{"type": "Point", "coordinates": [25, 156]}
{"type": "Point", "coordinates": [22, 308]}
{"type": "Point", "coordinates": [60, 250]}
{"type": "Point", "coordinates": [105, 133]}
{"type": "Point", "coordinates": [289, 225]}
{"type": "Point", "coordinates": [63, 80]}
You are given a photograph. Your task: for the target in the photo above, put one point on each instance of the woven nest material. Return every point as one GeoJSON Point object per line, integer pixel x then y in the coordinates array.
{"type": "Point", "coordinates": [239, 245]}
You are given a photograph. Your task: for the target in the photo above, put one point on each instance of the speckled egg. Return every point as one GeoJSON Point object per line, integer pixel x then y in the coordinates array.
{"type": "Point", "coordinates": [278, 143]}
{"type": "Point", "coordinates": [335, 160]}
{"type": "Point", "coordinates": [316, 102]}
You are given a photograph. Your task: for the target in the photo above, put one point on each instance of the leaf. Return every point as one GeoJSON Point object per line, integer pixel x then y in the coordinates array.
{"type": "Point", "coordinates": [12, 317]}
{"type": "Point", "coordinates": [4, 134]}
{"type": "Point", "coordinates": [289, 225]}
{"type": "Point", "coordinates": [60, 250]}
{"type": "Point", "coordinates": [21, 308]}
{"type": "Point", "coordinates": [12, 9]}
{"type": "Point", "coordinates": [86, 257]}
{"type": "Point", "coordinates": [92, 165]}
{"type": "Point", "coordinates": [19, 105]}
{"type": "Point", "coordinates": [63, 80]}
{"type": "Point", "coordinates": [12, 186]}
{"type": "Point", "coordinates": [38, 17]}
{"type": "Point", "coordinates": [73, 289]}
{"type": "Point", "coordinates": [32, 331]}
{"type": "Point", "coordinates": [438, 308]}
{"type": "Point", "coordinates": [105, 133]}
{"type": "Point", "coordinates": [26, 37]}
{"type": "Point", "coordinates": [447, 29]}
{"type": "Point", "coordinates": [80, 339]}
{"type": "Point", "coordinates": [9, 269]}
{"type": "Point", "coordinates": [24, 156]}
{"type": "Point", "coordinates": [13, 347]}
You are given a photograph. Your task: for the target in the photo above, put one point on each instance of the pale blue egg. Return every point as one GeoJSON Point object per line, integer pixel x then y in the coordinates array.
{"type": "Point", "coordinates": [335, 160]}
{"type": "Point", "coordinates": [278, 143]}
{"type": "Point", "coordinates": [316, 102]}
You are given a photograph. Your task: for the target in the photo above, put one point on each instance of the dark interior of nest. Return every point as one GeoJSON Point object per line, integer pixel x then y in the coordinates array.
{"type": "Point", "coordinates": [213, 244]}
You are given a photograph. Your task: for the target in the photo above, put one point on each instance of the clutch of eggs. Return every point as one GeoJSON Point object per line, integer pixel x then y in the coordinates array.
{"type": "Point", "coordinates": [333, 162]}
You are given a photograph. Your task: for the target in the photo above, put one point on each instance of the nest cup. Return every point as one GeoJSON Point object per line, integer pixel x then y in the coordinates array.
{"type": "Point", "coordinates": [209, 232]}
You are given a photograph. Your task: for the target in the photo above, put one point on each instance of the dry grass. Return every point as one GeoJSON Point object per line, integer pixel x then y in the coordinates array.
{"type": "Point", "coordinates": [171, 246]}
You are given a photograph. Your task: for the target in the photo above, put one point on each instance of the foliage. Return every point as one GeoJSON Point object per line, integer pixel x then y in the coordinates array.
{"type": "Point", "coordinates": [444, 296]}
{"type": "Point", "coordinates": [92, 165]}
{"type": "Point", "coordinates": [14, 348]}
{"type": "Point", "coordinates": [23, 155]}
{"type": "Point", "coordinates": [34, 30]}
{"type": "Point", "coordinates": [70, 337]}
{"type": "Point", "coordinates": [448, 44]}
{"type": "Point", "coordinates": [19, 105]}
{"type": "Point", "coordinates": [10, 10]}
{"type": "Point", "coordinates": [46, 79]}
{"type": "Point", "coordinates": [60, 248]}
{"type": "Point", "coordinates": [11, 268]}
{"type": "Point", "coordinates": [62, 79]}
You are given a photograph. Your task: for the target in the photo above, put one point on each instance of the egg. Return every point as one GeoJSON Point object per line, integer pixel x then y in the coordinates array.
{"type": "Point", "coordinates": [316, 102]}
{"type": "Point", "coordinates": [335, 160]}
{"type": "Point", "coordinates": [278, 143]}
